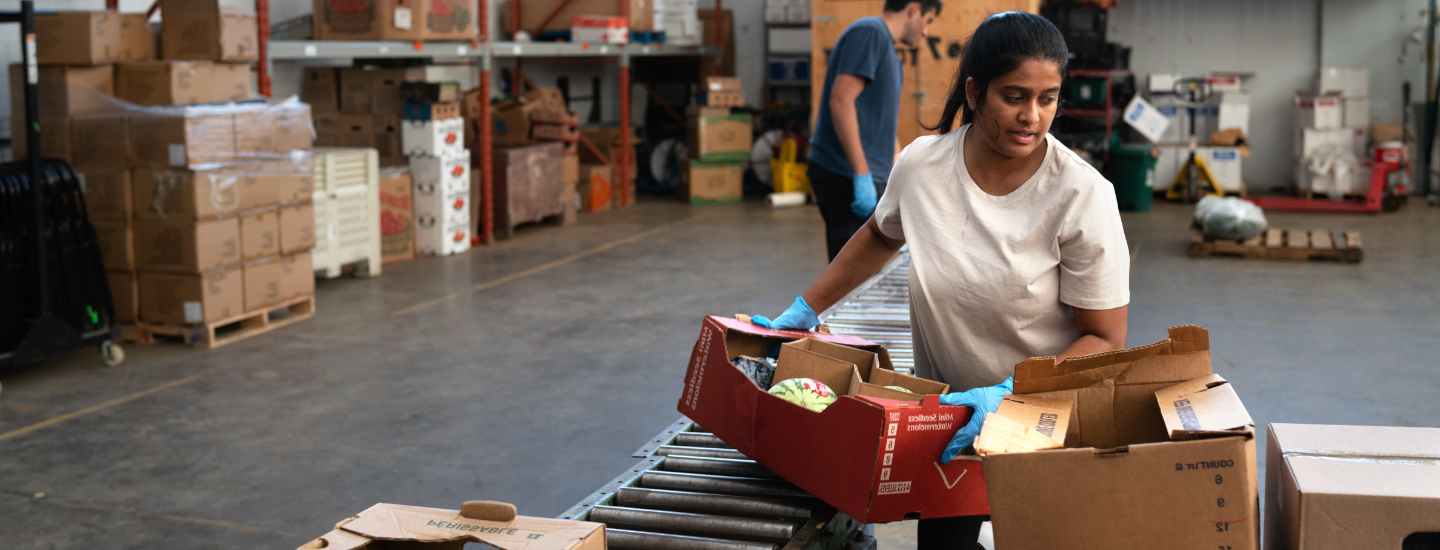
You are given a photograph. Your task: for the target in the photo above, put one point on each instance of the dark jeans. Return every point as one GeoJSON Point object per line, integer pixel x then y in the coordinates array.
{"type": "Point", "coordinates": [949, 533]}
{"type": "Point", "coordinates": [833, 194]}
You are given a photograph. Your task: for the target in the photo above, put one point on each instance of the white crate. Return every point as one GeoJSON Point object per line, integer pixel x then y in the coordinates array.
{"type": "Point", "coordinates": [448, 171]}
{"type": "Point", "coordinates": [442, 236]}
{"type": "Point", "coordinates": [347, 211]}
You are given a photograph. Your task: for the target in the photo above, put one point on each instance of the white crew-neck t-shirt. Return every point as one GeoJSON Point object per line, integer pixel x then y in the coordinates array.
{"type": "Point", "coordinates": [992, 279]}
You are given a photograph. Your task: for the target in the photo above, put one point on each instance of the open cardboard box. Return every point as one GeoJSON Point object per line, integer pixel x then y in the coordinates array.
{"type": "Point", "coordinates": [1158, 452]}
{"type": "Point", "coordinates": [874, 454]}
{"type": "Point", "coordinates": [385, 526]}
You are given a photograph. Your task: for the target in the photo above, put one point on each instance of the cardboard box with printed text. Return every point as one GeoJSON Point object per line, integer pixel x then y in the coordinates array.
{"type": "Point", "coordinates": [187, 246]}
{"type": "Point", "coordinates": [77, 37]}
{"type": "Point", "coordinates": [191, 298]}
{"type": "Point", "coordinates": [874, 453]}
{"type": "Point", "coordinates": [491, 524]}
{"type": "Point", "coordinates": [203, 30]}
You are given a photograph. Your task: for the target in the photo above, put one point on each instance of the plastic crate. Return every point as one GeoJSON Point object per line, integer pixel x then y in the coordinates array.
{"type": "Point", "coordinates": [347, 212]}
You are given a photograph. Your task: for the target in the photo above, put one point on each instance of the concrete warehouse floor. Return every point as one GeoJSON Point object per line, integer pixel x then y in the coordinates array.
{"type": "Point", "coordinates": [528, 372]}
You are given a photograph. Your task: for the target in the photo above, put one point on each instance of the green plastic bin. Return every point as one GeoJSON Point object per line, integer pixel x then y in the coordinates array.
{"type": "Point", "coordinates": [1134, 176]}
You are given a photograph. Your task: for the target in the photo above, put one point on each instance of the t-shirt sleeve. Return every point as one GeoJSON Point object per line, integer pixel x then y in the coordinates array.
{"type": "Point", "coordinates": [887, 210]}
{"type": "Point", "coordinates": [858, 52]}
{"type": "Point", "coordinates": [1094, 257]}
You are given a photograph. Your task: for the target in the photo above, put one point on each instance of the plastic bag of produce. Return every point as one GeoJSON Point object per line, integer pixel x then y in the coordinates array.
{"type": "Point", "coordinates": [1229, 218]}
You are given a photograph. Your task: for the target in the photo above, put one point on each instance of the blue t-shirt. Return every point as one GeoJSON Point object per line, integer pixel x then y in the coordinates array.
{"type": "Point", "coordinates": [866, 50]}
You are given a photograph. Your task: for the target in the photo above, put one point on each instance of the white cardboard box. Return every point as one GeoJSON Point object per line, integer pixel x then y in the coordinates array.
{"type": "Point", "coordinates": [1224, 164]}
{"type": "Point", "coordinates": [432, 138]}
{"type": "Point", "coordinates": [449, 171]}
{"type": "Point", "coordinates": [1345, 81]}
{"type": "Point", "coordinates": [1357, 111]}
{"type": "Point", "coordinates": [1310, 140]}
{"type": "Point", "coordinates": [1162, 83]}
{"type": "Point", "coordinates": [1144, 118]}
{"type": "Point", "coordinates": [1313, 111]}
{"type": "Point", "coordinates": [1234, 112]}
{"type": "Point", "coordinates": [789, 41]}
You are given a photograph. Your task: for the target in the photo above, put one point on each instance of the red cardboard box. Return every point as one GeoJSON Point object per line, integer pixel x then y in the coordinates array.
{"type": "Point", "coordinates": [871, 455]}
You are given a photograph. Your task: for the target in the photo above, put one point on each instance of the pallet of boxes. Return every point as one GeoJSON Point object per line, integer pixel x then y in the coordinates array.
{"type": "Point", "coordinates": [433, 139]}
{"type": "Point", "coordinates": [1332, 134]}
{"type": "Point", "coordinates": [360, 107]}
{"type": "Point", "coordinates": [532, 134]}
{"type": "Point", "coordinates": [719, 143]}
{"type": "Point", "coordinates": [600, 186]}
{"type": "Point", "coordinates": [202, 212]}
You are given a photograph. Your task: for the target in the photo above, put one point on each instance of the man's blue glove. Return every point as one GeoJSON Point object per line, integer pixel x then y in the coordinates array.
{"type": "Point", "coordinates": [798, 316]}
{"type": "Point", "coordinates": [984, 401]}
{"type": "Point", "coordinates": [864, 203]}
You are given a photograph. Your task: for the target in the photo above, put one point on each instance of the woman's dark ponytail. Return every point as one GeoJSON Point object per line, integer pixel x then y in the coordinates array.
{"type": "Point", "coordinates": [1000, 44]}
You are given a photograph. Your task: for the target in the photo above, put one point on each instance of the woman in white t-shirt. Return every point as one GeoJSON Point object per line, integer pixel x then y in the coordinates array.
{"type": "Point", "coordinates": [1016, 246]}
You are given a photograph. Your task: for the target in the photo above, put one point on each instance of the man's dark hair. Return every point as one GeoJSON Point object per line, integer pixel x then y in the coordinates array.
{"type": "Point", "coordinates": [1000, 44]}
{"type": "Point", "coordinates": [926, 6]}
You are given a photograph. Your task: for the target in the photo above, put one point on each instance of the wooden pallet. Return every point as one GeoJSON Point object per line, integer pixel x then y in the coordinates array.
{"type": "Point", "coordinates": [1283, 244]}
{"type": "Point", "coordinates": [224, 331]}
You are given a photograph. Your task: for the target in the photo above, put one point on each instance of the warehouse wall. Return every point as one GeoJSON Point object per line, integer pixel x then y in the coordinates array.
{"type": "Point", "coordinates": [1377, 35]}
{"type": "Point", "coordinates": [1276, 39]}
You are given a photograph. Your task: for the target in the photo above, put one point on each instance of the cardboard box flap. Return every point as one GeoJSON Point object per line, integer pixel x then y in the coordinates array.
{"type": "Point", "coordinates": [865, 362]}
{"type": "Point", "coordinates": [1042, 374]}
{"type": "Point", "coordinates": [1203, 407]}
{"type": "Point", "coordinates": [1362, 460]}
{"type": "Point", "coordinates": [751, 328]}
{"type": "Point", "coordinates": [339, 539]}
{"type": "Point", "coordinates": [413, 523]}
{"type": "Point", "coordinates": [1025, 423]}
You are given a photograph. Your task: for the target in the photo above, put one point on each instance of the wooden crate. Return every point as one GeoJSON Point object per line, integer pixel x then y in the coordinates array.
{"type": "Point", "coordinates": [1283, 244]}
{"type": "Point", "coordinates": [224, 331]}
{"type": "Point", "coordinates": [530, 186]}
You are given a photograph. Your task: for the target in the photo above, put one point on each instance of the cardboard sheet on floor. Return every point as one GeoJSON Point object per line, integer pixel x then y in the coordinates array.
{"type": "Point", "coordinates": [492, 523]}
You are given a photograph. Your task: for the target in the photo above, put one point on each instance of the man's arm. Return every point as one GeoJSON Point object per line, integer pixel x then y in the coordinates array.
{"type": "Point", "coordinates": [843, 92]}
{"type": "Point", "coordinates": [1100, 330]}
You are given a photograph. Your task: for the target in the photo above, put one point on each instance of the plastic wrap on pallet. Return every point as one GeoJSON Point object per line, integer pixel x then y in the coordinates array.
{"type": "Point", "coordinates": [1229, 218]}
{"type": "Point", "coordinates": [200, 137]}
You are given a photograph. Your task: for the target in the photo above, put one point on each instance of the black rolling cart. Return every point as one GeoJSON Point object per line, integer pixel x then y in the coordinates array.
{"type": "Point", "coordinates": [54, 296]}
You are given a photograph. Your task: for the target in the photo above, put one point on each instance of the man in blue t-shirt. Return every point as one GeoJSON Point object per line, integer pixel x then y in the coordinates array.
{"type": "Point", "coordinates": [854, 143]}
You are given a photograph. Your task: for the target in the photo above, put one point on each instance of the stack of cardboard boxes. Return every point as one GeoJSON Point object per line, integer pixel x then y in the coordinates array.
{"type": "Point", "coordinates": [360, 107]}
{"type": "Point", "coordinates": [397, 215]}
{"type": "Point", "coordinates": [600, 187]}
{"type": "Point", "coordinates": [557, 15]}
{"type": "Point", "coordinates": [433, 138]}
{"type": "Point", "coordinates": [395, 20]}
{"type": "Point", "coordinates": [202, 213]}
{"type": "Point", "coordinates": [539, 116]}
{"type": "Point", "coordinates": [719, 145]}
{"type": "Point", "coordinates": [1332, 134]}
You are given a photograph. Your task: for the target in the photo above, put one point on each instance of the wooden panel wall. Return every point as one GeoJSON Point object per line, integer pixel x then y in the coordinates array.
{"type": "Point", "coordinates": [929, 68]}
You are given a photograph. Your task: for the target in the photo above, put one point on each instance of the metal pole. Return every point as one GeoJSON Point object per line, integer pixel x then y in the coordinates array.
{"type": "Point", "coordinates": [698, 525]}
{"type": "Point", "coordinates": [720, 505]}
{"type": "Point", "coordinates": [487, 169]}
{"type": "Point", "coordinates": [623, 163]}
{"type": "Point", "coordinates": [262, 26]}
{"type": "Point", "coordinates": [32, 148]}
{"type": "Point", "coordinates": [622, 539]}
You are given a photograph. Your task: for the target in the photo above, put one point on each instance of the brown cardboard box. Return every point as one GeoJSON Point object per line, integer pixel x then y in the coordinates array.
{"type": "Point", "coordinates": [723, 84]}
{"type": "Point", "coordinates": [108, 193]}
{"type": "Point", "coordinates": [65, 91]}
{"type": "Point", "coordinates": [117, 244]}
{"type": "Point", "coordinates": [356, 97]}
{"type": "Point", "coordinates": [328, 123]}
{"type": "Point", "coordinates": [532, 12]}
{"type": "Point", "coordinates": [397, 216]}
{"type": "Point", "coordinates": [385, 89]}
{"type": "Point", "coordinates": [270, 131]}
{"type": "Point", "coordinates": [202, 30]}
{"type": "Point", "coordinates": [230, 82]}
{"type": "Point", "coordinates": [256, 190]}
{"type": "Point", "coordinates": [77, 38]}
{"type": "Point", "coordinates": [100, 140]}
{"type": "Point", "coordinates": [181, 137]}
{"type": "Point", "coordinates": [191, 298]}
{"type": "Point", "coordinates": [1334, 487]}
{"type": "Point", "coordinates": [298, 275]}
{"type": "Point", "coordinates": [403, 20]}
{"type": "Point", "coordinates": [1156, 449]}
{"type": "Point", "coordinates": [295, 183]}
{"type": "Point", "coordinates": [492, 524]}
{"type": "Point", "coordinates": [357, 130]}
{"type": "Point", "coordinates": [572, 167]}
{"type": "Point", "coordinates": [177, 194]}
{"type": "Point", "coordinates": [594, 187]}
{"type": "Point", "coordinates": [137, 41]}
{"type": "Point", "coordinates": [125, 293]}
{"type": "Point", "coordinates": [260, 234]}
{"type": "Point", "coordinates": [1379, 132]}
{"type": "Point", "coordinates": [262, 283]}
{"type": "Point", "coordinates": [721, 137]}
{"type": "Point", "coordinates": [150, 83]}
{"type": "Point", "coordinates": [187, 246]}
{"type": "Point", "coordinates": [387, 140]}
{"type": "Point", "coordinates": [322, 89]}
{"type": "Point", "coordinates": [510, 125]}
{"type": "Point", "coordinates": [297, 227]}
{"type": "Point", "coordinates": [54, 139]}
{"type": "Point", "coordinates": [713, 182]}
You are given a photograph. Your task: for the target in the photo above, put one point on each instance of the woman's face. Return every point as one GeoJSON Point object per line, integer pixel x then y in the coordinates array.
{"type": "Point", "coordinates": [1019, 107]}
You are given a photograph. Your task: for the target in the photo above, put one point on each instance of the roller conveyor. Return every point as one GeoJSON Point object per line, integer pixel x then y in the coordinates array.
{"type": "Point", "coordinates": [692, 491]}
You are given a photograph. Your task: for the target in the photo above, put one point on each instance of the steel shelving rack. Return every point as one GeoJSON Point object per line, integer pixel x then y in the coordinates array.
{"type": "Point", "coordinates": [484, 53]}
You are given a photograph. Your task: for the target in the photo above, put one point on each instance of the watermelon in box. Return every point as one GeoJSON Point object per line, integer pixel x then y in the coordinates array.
{"type": "Point", "coordinates": [873, 454]}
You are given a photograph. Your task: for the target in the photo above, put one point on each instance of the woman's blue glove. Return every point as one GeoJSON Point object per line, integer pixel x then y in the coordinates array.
{"type": "Point", "coordinates": [984, 401]}
{"type": "Point", "coordinates": [864, 203]}
{"type": "Point", "coordinates": [798, 316]}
